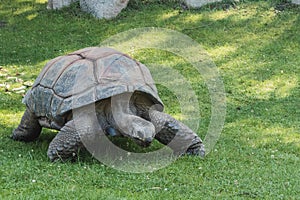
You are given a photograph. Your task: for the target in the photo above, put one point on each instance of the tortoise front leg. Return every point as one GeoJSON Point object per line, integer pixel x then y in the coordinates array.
{"type": "Point", "coordinates": [66, 143]}
{"type": "Point", "coordinates": [176, 135]}
{"type": "Point", "coordinates": [29, 128]}
{"type": "Point", "coordinates": [85, 130]}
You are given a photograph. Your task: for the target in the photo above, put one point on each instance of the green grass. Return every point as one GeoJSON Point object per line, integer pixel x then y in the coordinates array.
{"type": "Point", "coordinates": [257, 50]}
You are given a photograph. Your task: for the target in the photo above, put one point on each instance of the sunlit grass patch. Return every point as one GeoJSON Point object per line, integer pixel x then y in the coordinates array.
{"type": "Point", "coordinates": [277, 87]}
{"type": "Point", "coordinates": [222, 52]}
{"type": "Point", "coordinates": [169, 15]}
{"type": "Point", "coordinates": [9, 118]}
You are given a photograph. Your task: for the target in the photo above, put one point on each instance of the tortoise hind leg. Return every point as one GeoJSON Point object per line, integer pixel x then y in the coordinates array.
{"type": "Point", "coordinates": [29, 128]}
{"type": "Point", "coordinates": [65, 144]}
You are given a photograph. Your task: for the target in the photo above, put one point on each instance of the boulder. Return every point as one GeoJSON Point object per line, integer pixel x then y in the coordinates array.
{"type": "Point", "coordinates": [57, 4]}
{"type": "Point", "coordinates": [199, 3]}
{"type": "Point", "coordinates": [103, 8]}
{"type": "Point", "coordinates": [296, 2]}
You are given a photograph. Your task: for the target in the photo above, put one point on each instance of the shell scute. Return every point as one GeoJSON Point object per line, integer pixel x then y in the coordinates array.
{"type": "Point", "coordinates": [44, 97]}
{"type": "Point", "coordinates": [57, 68]}
{"type": "Point", "coordinates": [75, 79]}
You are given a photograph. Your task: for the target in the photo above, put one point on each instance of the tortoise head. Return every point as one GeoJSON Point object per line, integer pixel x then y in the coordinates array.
{"type": "Point", "coordinates": [138, 129]}
{"type": "Point", "coordinates": [141, 131]}
{"type": "Point", "coordinates": [125, 117]}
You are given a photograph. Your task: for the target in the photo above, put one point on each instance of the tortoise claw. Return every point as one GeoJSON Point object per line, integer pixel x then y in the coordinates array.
{"type": "Point", "coordinates": [197, 148]}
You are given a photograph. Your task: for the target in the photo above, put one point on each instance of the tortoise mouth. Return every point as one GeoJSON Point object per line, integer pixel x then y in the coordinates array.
{"type": "Point", "coordinates": [142, 143]}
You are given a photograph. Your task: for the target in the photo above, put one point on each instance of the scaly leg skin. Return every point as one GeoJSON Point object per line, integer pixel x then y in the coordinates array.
{"type": "Point", "coordinates": [80, 133]}
{"type": "Point", "coordinates": [29, 128]}
{"type": "Point", "coordinates": [102, 119]}
{"type": "Point", "coordinates": [66, 143]}
{"type": "Point", "coordinates": [176, 135]}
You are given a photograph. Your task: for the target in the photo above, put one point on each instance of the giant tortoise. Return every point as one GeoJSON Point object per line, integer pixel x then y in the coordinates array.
{"type": "Point", "coordinates": [125, 98]}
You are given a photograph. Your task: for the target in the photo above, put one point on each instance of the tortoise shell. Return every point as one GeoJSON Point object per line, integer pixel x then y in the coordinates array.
{"type": "Point", "coordinates": [87, 76]}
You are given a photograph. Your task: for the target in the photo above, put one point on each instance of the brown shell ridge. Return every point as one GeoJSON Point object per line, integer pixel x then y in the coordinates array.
{"type": "Point", "coordinates": [103, 54]}
{"type": "Point", "coordinates": [140, 68]}
{"type": "Point", "coordinates": [49, 64]}
{"type": "Point", "coordinates": [105, 71]}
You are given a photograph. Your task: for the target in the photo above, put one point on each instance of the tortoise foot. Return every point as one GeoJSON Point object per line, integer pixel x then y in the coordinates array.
{"type": "Point", "coordinates": [29, 128]}
{"type": "Point", "coordinates": [197, 148]}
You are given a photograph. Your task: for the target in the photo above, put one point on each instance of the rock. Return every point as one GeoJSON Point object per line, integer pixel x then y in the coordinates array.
{"type": "Point", "coordinates": [99, 8]}
{"type": "Point", "coordinates": [296, 2]}
{"type": "Point", "coordinates": [19, 88]}
{"type": "Point", "coordinates": [57, 4]}
{"type": "Point", "coordinates": [103, 8]}
{"type": "Point", "coordinates": [199, 3]}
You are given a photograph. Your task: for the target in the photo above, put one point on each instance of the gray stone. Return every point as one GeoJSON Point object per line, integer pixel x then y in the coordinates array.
{"type": "Point", "coordinates": [296, 2]}
{"type": "Point", "coordinates": [103, 8]}
{"type": "Point", "coordinates": [57, 4]}
{"type": "Point", "coordinates": [199, 3]}
{"type": "Point", "coordinates": [99, 8]}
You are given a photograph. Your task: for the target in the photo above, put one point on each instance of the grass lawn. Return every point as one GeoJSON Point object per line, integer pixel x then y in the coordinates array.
{"type": "Point", "coordinates": [254, 44]}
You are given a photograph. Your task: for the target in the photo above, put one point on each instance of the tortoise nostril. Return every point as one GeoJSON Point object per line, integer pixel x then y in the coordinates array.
{"type": "Point", "coordinates": [148, 140]}
{"type": "Point", "coordinates": [140, 134]}
{"type": "Point", "coordinates": [142, 137]}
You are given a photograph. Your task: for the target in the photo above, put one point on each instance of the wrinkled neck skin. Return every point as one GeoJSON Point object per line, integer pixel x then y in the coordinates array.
{"type": "Point", "coordinates": [141, 104]}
